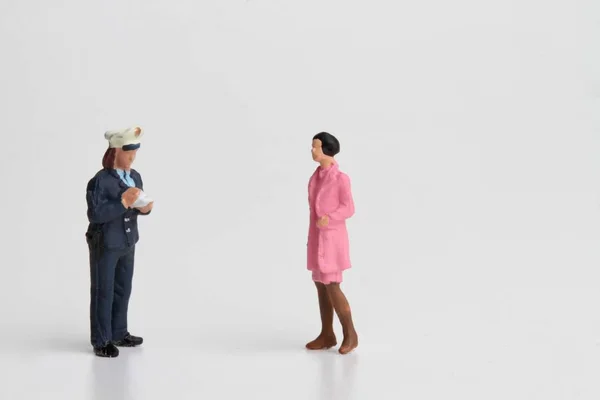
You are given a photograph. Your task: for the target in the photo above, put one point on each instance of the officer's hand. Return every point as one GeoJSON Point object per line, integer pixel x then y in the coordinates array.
{"type": "Point", "coordinates": [130, 196]}
{"type": "Point", "coordinates": [147, 208]}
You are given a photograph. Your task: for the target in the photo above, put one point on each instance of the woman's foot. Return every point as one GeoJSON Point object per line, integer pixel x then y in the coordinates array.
{"type": "Point", "coordinates": [322, 342]}
{"type": "Point", "coordinates": [349, 343]}
{"type": "Point", "coordinates": [129, 341]}
{"type": "Point", "coordinates": [109, 350]}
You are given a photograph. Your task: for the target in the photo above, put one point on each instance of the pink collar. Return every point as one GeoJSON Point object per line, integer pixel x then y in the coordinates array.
{"type": "Point", "coordinates": [324, 171]}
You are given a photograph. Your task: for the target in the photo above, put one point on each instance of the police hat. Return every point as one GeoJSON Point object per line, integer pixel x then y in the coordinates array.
{"type": "Point", "coordinates": [126, 139]}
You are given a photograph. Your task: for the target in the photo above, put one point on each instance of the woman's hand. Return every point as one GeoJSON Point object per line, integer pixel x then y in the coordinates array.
{"type": "Point", "coordinates": [323, 221]}
{"type": "Point", "coordinates": [130, 196]}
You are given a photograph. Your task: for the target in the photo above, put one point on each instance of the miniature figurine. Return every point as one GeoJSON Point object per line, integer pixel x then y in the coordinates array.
{"type": "Point", "coordinates": [331, 203]}
{"type": "Point", "coordinates": [112, 236]}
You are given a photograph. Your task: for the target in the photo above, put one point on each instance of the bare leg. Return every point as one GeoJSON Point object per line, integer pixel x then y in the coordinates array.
{"type": "Point", "coordinates": [342, 308]}
{"type": "Point", "coordinates": [326, 338]}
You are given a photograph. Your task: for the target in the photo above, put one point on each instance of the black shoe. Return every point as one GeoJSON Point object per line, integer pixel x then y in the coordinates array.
{"type": "Point", "coordinates": [129, 341]}
{"type": "Point", "coordinates": [107, 351]}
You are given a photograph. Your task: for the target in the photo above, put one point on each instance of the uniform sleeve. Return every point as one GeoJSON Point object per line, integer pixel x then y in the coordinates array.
{"type": "Point", "coordinates": [346, 208]}
{"type": "Point", "coordinates": [136, 210]}
{"type": "Point", "coordinates": [101, 209]}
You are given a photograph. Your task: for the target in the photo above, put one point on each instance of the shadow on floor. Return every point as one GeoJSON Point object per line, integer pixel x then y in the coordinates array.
{"type": "Point", "coordinates": [56, 344]}
{"type": "Point", "coordinates": [248, 343]}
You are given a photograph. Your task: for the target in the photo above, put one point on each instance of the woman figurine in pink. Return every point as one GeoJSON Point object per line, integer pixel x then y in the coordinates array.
{"type": "Point", "coordinates": [328, 252]}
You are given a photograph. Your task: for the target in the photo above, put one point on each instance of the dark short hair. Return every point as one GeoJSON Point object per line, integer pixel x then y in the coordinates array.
{"type": "Point", "coordinates": [330, 144]}
{"type": "Point", "coordinates": [108, 161]}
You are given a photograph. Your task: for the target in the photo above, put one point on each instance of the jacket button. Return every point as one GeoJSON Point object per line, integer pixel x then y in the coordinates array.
{"type": "Point", "coordinates": [126, 219]}
{"type": "Point", "coordinates": [128, 230]}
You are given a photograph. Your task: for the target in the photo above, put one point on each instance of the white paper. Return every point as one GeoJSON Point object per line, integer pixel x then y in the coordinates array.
{"type": "Point", "coordinates": [142, 201]}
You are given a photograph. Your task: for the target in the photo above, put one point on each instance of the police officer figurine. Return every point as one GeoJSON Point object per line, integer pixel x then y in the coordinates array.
{"type": "Point", "coordinates": [111, 236]}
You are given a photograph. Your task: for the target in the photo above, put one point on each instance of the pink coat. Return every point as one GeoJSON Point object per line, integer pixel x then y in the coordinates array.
{"type": "Point", "coordinates": [329, 193]}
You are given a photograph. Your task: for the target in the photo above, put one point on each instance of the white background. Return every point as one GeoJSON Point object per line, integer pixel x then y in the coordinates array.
{"type": "Point", "coordinates": [469, 130]}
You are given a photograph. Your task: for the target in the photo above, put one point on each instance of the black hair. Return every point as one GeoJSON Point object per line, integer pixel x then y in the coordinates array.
{"type": "Point", "coordinates": [330, 144]}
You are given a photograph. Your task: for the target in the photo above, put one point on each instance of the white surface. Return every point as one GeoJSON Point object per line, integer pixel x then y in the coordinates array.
{"type": "Point", "coordinates": [142, 200]}
{"type": "Point", "coordinates": [469, 130]}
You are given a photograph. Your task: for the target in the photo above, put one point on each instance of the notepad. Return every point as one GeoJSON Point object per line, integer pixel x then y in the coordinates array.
{"type": "Point", "coordinates": [142, 201]}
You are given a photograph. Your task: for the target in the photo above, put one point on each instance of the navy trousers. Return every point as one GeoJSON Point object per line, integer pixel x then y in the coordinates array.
{"type": "Point", "coordinates": [111, 273]}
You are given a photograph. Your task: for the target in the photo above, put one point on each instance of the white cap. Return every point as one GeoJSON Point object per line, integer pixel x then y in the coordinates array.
{"type": "Point", "coordinates": [128, 139]}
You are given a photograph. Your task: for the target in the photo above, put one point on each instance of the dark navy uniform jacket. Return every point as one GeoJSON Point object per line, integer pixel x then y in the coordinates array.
{"type": "Point", "coordinates": [106, 213]}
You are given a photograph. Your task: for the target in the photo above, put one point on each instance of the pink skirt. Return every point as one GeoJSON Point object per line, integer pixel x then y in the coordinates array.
{"type": "Point", "coordinates": [334, 277]}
